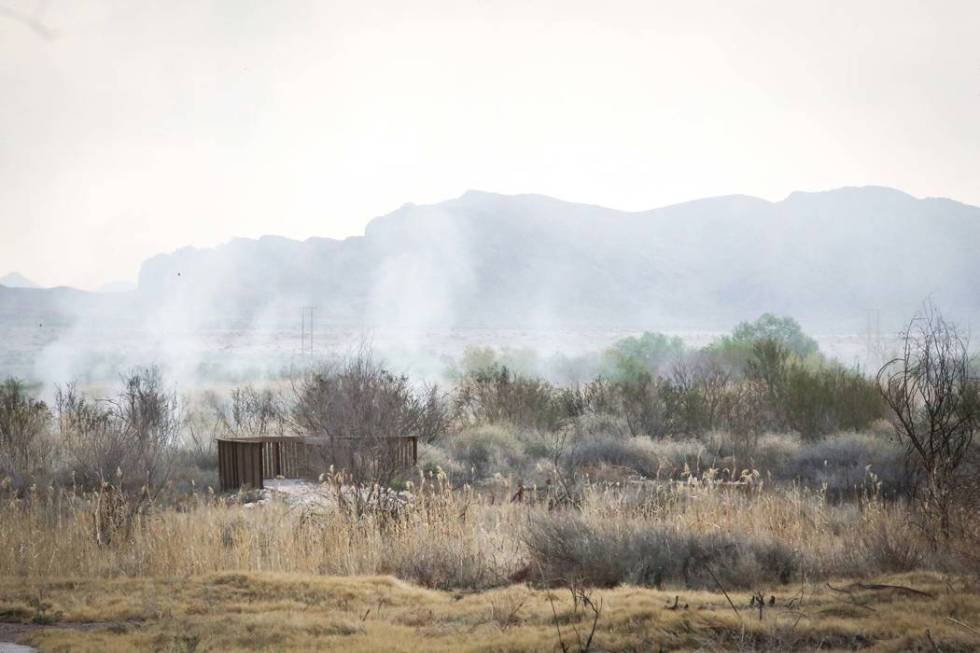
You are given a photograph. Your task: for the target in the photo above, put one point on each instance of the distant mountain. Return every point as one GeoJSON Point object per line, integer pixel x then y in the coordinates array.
{"type": "Point", "coordinates": [60, 304]}
{"type": "Point", "coordinates": [532, 261]}
{"type": "Point", "coordinates": [529, 261]}
{"type": "Point", "coordinates": [117, 286]}
{"type": "Point", "coordinates": [17, 280]}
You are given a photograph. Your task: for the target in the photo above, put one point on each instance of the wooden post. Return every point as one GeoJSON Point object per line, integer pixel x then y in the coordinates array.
{"type": "Point", "coordinates": [222, 475]}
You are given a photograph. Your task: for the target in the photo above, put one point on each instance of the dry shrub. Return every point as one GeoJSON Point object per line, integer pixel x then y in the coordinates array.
{"type": "Point", "coordinates": [356, 406]}
{"type": "Point", "coordinates": [433, 460]}
{"type": "Point", "coordinates": [848, 462]}
{"type": "Point", "coordinates": [496, 394]}
{"type": "Point", "coordinates": [674, 533]}
{"type": "Point", "coordinates": [25, 442]}
{"type": "Point", "coordinates": [638, 455]}
{"type": "Point", "coordinates": [965, 542]}
{"type": "Point", "coordinates": [485, 450]}
{"type": "Point", "coordinates": [567, 549]}
{"type": "Point", "coordinates": [844, 464]}
{"type": "Point", "coordinates": [253, 412]}
{"type": "Point", "coordinates": [596, 425]}
{"type": "Point", "coordinates": [129, 440]}
{"type": "Point", "coordinates": [769, 453]}
{"type": "Point", "coordinates": [890, 549]}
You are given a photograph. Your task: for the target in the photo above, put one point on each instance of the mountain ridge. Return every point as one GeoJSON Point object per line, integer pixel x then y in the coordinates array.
{"type": "Point", "coordinates": [493, 260]}
{"type": "Point", "coordinates": [17, 280]}
{"type": "Point", "coordinates": [471, 193]}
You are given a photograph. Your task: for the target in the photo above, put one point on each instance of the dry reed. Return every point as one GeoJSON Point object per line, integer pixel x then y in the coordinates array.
{"type": "Point", "coordinates": [442, 537]}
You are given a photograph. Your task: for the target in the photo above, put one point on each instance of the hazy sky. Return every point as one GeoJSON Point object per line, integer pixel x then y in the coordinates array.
{"type": "Point", "coordinates": [138, 127]}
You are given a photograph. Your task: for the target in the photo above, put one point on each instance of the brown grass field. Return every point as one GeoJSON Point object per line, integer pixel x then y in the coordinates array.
{"type": "Point", "coordinates": [296, 612]}
{"type": "Point", "coordinates": [454, 571]}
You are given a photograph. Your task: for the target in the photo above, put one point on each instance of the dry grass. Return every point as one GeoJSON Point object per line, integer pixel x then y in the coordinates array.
{"type": "Point", "coordinates": [254, 612]}
{"type": "Point", "coordinates": [445, 538]}
{"type": "Point", "coordinates": [214, 573]}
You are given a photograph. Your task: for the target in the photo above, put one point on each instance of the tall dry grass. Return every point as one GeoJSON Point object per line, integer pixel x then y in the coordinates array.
{"type": "Point", "coordinates": [445, 537]}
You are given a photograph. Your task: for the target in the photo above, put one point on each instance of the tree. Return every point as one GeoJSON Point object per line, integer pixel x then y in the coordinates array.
{"type": "Point", "coordinates": [784, 330]}
{"type": "Point", "coordinates": [934, 402]}
{"type": "Point", "coordinates": [631, 358]}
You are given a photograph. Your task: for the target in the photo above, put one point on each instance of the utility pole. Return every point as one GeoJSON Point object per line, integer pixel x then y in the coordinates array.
{"type": "Point", "coordinates": [312, 330]}
{"type": "Point", "coordinates": [307, 330]}
{"type": "Point", "coordinates": [873, 337]}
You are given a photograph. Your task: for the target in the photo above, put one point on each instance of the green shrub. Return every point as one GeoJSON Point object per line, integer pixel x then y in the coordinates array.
{"type": "Point", "coordinates": [817, 400]}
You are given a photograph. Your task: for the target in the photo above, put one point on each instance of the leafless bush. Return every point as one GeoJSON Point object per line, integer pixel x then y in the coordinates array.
{"type": "Point", "coordinates": [600, 397]}
{"type": "Point", "coordinates": [593, 425]}
{"type": "Point", "coordinates": [356, 407]}
{"type": "Point", "coordinates": [434, 415]}
{"type": "Point", "coordinates": [93, 438]}
{"type": "Point", "coordinates": [26, 451]}
{"type": "Point", "coordinates": [746, 414]}
{"type": "Point", "coordinates": [935, 406]}
{"type": "Point", "coordinates": [642, 405]}
{"type": "Point", "coordinates": [696, 394]}
{"type": "Point", "coordinates": [128, 440]}
{"type": "Point", "coordinates": [203, 424]}
{"type": "Point", "coordinates": [149, 416]}
{"type": "Point", "coordinates": [253, 412]}
{"type": "Point", "coordinates": [581, 601]}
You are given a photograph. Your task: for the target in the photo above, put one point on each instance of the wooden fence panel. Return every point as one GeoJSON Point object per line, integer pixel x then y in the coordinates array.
{"type": "Point", "coordinates": [249, 461]}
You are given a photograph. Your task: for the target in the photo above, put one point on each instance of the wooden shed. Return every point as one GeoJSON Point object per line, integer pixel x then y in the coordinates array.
{"type": "Point", "coordinates": [248, 462]}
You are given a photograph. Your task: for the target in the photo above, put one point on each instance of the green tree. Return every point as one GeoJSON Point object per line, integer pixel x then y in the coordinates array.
{"type": "Point", "coordinates": [631, 358]}
{"type": "Point", "coordinates": [784, 330]}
